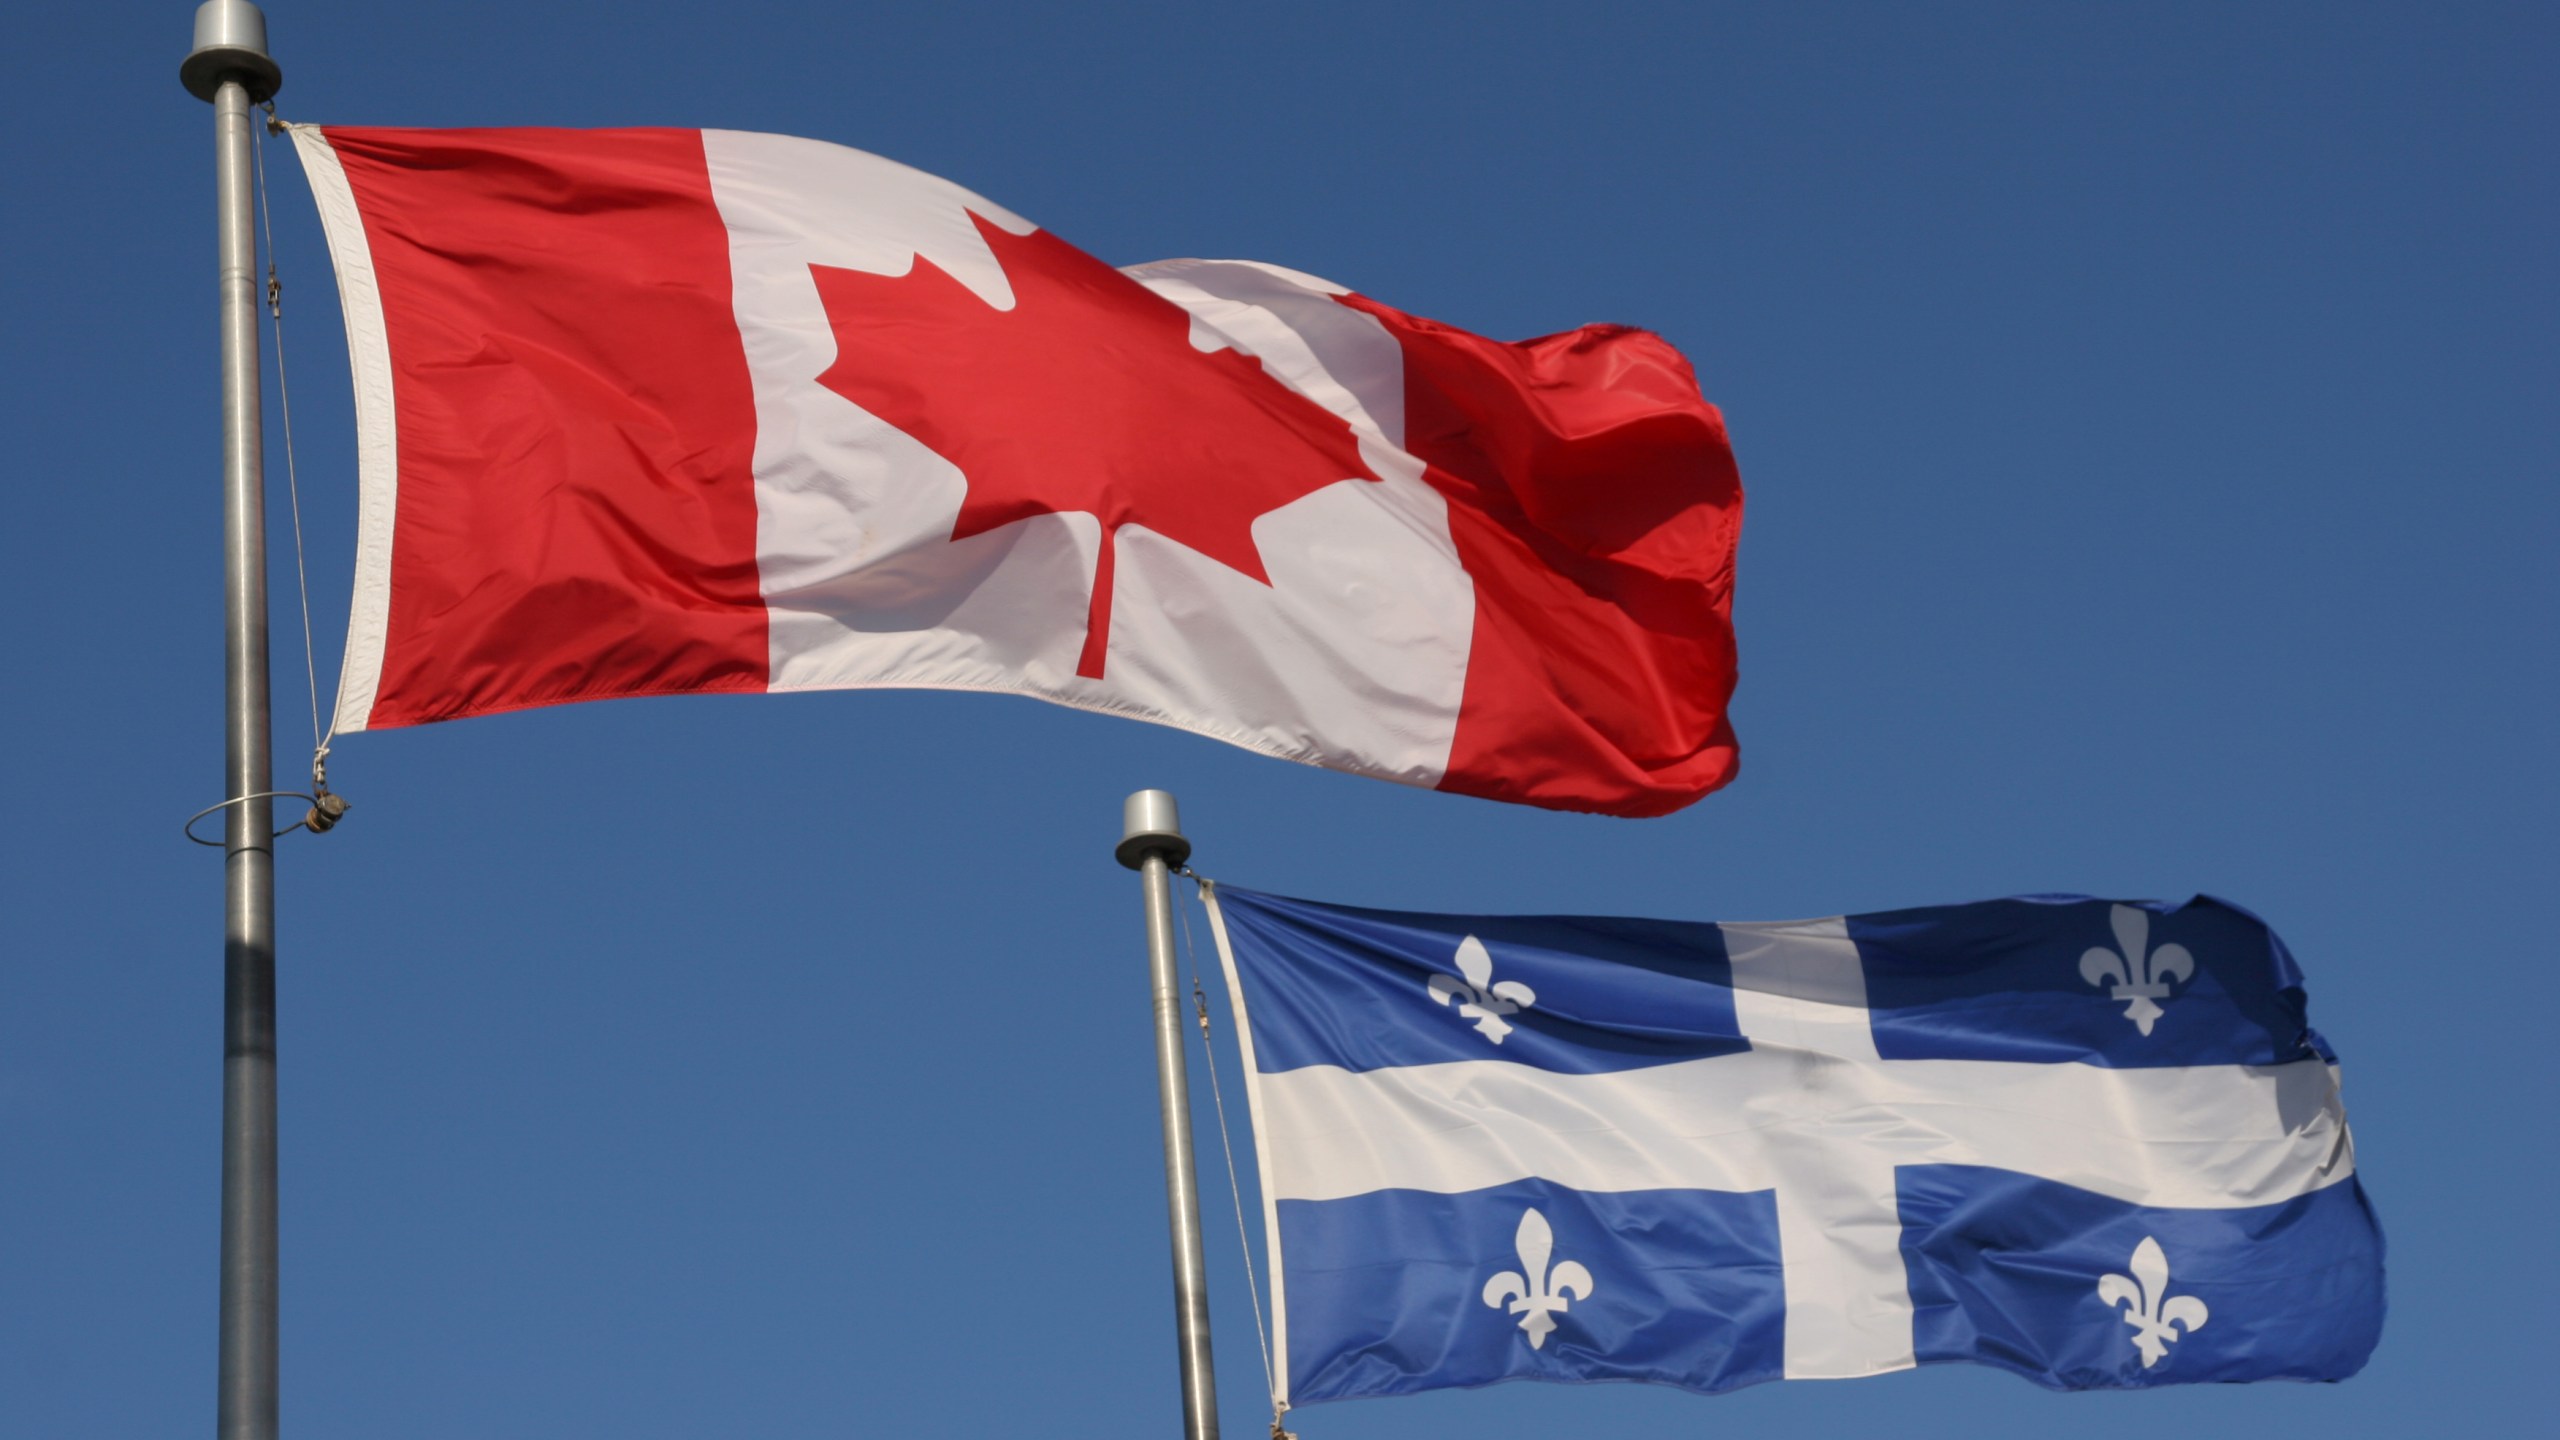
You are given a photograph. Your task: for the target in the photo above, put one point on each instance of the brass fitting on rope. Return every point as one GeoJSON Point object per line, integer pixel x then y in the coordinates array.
{"type": "Point", "coordinates": [327, 809]}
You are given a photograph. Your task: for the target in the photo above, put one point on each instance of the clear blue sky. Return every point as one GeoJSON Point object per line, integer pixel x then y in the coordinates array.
{"type": "Point", "coordinates": [2146, 414]}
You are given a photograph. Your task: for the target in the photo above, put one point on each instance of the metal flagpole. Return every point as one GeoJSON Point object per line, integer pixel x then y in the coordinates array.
{"type": "Point", "coordinates": [230, 67]}
{"type": "Point", "coordinates": [1151, 843]}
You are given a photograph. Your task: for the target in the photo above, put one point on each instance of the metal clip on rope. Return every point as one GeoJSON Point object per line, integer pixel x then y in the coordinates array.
{"type": "Point", "coordinates": [327, 807]}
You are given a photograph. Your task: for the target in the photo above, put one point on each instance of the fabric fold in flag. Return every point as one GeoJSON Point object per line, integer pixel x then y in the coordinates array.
{"type": "Point", "coordinates": [2094, 1143]}
{"type": "Point", "coordinates": [648, 412]}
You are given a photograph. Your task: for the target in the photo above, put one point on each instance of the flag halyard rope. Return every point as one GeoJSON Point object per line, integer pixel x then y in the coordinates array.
{"type": "Point", "coordinates": [327, 809]}
{"type": "Point", "coordinates": [292, 475]}
{"type": "Point", "coordinates": [1235, 1188]}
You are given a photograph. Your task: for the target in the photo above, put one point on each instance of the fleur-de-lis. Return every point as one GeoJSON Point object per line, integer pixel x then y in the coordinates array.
{"type": "Point", "coordinates": [2138, 976]}
{"type": "Point", "coordinates": [1479, 996]}
{"type": "Point", "coordinates": [2150, 1309]}
{"type": "Point", "coordinates": [1537, 1294]}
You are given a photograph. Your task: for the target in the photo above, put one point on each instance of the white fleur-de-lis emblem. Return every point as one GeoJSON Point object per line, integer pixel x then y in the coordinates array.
{"type": "Point", "coordinates": [2149, 1308]}
{"type": "Point", "coordinates": [2137, 976]}
{"type": "Point", "coordinates": [1479, 996]}
{"type": "Point", "coordinates": [1536, 1293]}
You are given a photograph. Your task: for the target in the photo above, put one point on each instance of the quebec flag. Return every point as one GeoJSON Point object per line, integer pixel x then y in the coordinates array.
{"type": "Point", "coordinates": [2094, 1143]}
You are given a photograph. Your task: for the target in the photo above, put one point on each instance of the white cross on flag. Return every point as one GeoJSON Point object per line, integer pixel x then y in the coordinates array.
{"type": "Point", "coordinates": [2094, 1143]}
{"type": "Point", "coordinates": [645, 412]}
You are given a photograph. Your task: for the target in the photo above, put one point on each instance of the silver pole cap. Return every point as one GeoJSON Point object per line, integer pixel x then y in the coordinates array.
{"type": "Point", "coordinates": [231, 44]}
{"type": "Point", "coordinates": [1149, 825]}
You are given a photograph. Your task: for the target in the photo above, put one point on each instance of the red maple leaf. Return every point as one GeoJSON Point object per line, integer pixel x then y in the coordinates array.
{"type": "Point", "coordinates": [1086, 396]}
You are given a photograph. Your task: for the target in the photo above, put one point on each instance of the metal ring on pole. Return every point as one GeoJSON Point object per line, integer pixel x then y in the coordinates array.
{"type": "Point", "coordinates": [242, 799]}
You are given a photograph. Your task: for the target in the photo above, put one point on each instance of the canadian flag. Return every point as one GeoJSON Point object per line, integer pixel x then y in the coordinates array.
{"type": "Point", "coordinates": [644, 412]}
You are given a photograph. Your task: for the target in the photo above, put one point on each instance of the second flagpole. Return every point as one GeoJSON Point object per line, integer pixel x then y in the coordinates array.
{"type": "Point", "coordinates": [1152, 843]}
